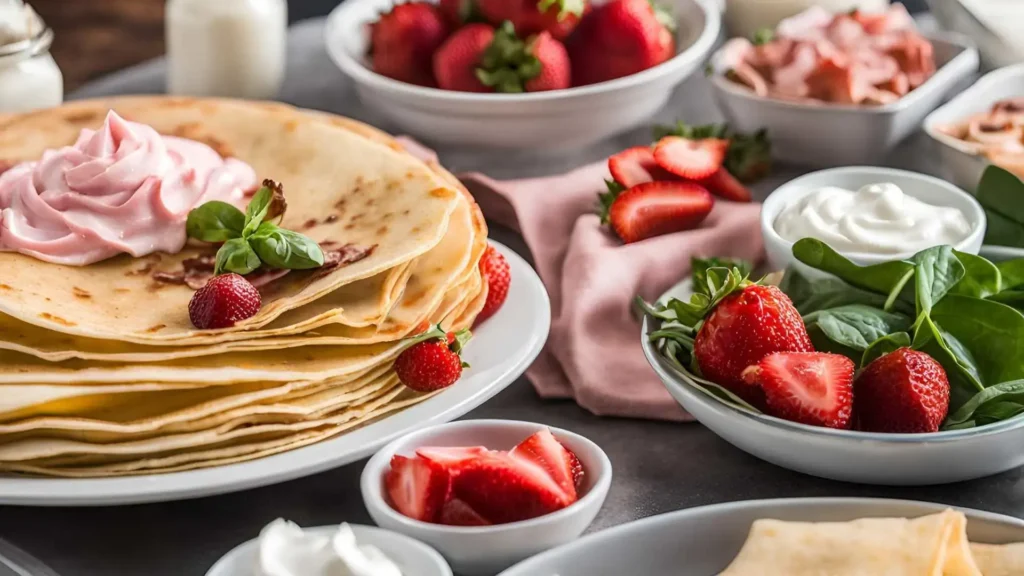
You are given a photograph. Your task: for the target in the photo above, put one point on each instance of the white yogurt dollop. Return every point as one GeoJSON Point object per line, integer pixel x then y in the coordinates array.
{"type": "Point", "coordinates": [287, 550]}
{"type": "Point", "coordinates": [877, 219]}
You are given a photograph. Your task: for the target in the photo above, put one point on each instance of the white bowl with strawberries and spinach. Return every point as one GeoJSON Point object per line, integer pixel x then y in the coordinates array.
{"type": "Point", "coordinates": [907, 372]}
{"type": "Point", "coordinates": [520, 73]}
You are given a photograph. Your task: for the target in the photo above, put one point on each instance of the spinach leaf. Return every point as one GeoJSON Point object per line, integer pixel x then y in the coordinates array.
{"type": "Point", "coordinates": [936, 271]}
{"type": "Point", "coordinates": [857, 326]}
{"type": "Point", "coordinates": [981, 277]}
{"type": "Point", "coordinates": [999, 192]}
{"type": "Point", "coordinates": [1012, 391]}
{"type": "Point", "coordinates": [879, 278]}
{"type": "Point", "coordinates": [824, 293]}
{"type": "Point", "coordinates": [884, 345]}
{"type": "Point", "coordinates": [1013, 298]}
{"type": "Point", "coordinates": [992, 332]}
{"type": "Point", "coordinates": [998, 411]}
{"type": "Point", "coordinates": [1012, 273]}
{"type": "Point", "coordinates": [964, 380]}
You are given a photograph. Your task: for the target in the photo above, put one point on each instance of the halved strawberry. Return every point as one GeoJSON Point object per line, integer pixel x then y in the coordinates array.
{"type": "Point", "coordinates": [450, 458]}
{"type": "Point", "coordinates": [724, 184]}
{"type": "Point", "coordinates": [418, 488]}
{"type": "Point", "coordinates": [636, 166]}
{"type": "Point", "coordinates": [458, 513]}
{"type": "Point", "coordinates": [544, 450]}
{"type": "Point", "coordinates": [813, 388]}
{"type": "Point", "coordinates": [692, 159]}
{"type": "Point", "coordinates": [504, 489]}
{"type": "Point", "coordinates": [657, 208]}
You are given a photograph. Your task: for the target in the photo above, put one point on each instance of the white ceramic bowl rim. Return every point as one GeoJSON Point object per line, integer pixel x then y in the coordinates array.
{"type": "Point", "coordinates": [372, 486]}
{"type": "Point", "coordinates": [666, 520]}
{"type": "Point", "coordinates": [977, 218]}
{"type": "Point", "coordinates": [703, 43]}
{"type": "Point", "coordinates": [668, 373]}
{"type": "Point", "coordinates": [931, 122]}
{"type": "Point", "coordinates": [905, 101]}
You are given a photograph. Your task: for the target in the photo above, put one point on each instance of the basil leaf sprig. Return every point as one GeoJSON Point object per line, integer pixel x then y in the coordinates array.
{"type": "Point", "coordinates": [250, 240]}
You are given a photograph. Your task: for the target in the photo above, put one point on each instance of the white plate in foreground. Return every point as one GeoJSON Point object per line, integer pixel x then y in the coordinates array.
{"type": "Point", "coordinates": [413, 557]}
{"type": "Point", "coordinates": [703, 541]}
{"type": "Point", "coordinates": [501, 350]}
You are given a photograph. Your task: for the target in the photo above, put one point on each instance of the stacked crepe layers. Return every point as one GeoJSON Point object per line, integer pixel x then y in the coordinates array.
{"type": "Point", "coordinates": [101, 371]}
{"type": "Point", "coordinates": [934, 545]}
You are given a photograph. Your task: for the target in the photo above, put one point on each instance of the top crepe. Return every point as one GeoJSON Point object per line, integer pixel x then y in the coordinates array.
{"type": "Point", "coordinates": [341, 189]}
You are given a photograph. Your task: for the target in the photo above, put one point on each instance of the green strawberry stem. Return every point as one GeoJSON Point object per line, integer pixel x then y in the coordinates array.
{"type": "Point", "coordinates": [749, 157]}
{"type": "Point", "coordinates": [606, 199]}
{"type": "Point", "coordinates": [436, 332]}
{"type": "Point", "coordinates": [565, 7]}
{"type": "Point", "coordinates": [508, 63]}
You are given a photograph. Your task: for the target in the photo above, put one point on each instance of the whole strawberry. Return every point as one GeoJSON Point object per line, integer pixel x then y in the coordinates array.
{"type": "Point", "coordinates": [458, 12]}
{"type": "Point", "coordinates": [813, 388]}
{"type": "Point", "coordinates": [903, 391]}
{"type": "Point", "coordinates": [457, 60]}
{"type": "Point", "coordinates": [747, 325]}
{"type": "Point", "coordinates": [403, 41]}
{"type": "Point", "coordinates": [225, 299]}
{"type": "Point", "coordinates": [433, 362]}
{"type": "Point", "coordinates": [620, 38]}
{"type": "Point", "coordinates": [496, 273]}
{"type": "Point", "coordinates": [512, 65]}
{"type": "Point", "coordinates": [556, 17]}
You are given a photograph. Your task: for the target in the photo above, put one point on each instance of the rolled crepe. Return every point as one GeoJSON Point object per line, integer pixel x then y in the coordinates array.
{"type": "Point", "coordinates": [934, 545]}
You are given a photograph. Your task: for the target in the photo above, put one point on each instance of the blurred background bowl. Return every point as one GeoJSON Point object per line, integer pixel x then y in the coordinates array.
{"type": "Point", "coordinates": [557, 119]}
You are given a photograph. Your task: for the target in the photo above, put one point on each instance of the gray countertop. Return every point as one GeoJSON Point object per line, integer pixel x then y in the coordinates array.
{"type": "Point", "coordinates": [659, 467]}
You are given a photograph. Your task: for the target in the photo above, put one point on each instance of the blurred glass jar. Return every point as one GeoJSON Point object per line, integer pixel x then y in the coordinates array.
{"type": "Point", "coordinates": [229, 48]}
{"type": "Point", "coordinates": [29, 78]}
{"type": "Point", "coordinates": [745, 17]}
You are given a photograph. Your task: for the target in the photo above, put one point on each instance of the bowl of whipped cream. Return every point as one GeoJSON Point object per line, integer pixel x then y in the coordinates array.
{"type": "Point", "coordinates": [870, 215]}
{"type": "Point", "coordinates": [285, 549]}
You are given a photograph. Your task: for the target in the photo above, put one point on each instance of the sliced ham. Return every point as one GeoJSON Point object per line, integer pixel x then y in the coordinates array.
{"type": "Point", "coordinates": [849, 58]}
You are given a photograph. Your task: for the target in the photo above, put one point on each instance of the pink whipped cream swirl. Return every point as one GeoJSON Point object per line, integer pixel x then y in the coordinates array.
{"type": "Point", "coordinates": [122, 188]}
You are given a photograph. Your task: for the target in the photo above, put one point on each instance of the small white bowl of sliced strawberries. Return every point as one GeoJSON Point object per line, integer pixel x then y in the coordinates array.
{"type": "Point", "coordinates": [672, 185]}
{"type": "Point", "coordinates": [520, 73]}
{"type": "Point", "coordinates": [487, 493]}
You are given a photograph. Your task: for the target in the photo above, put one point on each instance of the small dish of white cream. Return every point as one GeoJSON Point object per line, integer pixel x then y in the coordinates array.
{"type": "Point", "coordinates": [285, 549]}
{"type": "Point", "coordinates": [870, 215]}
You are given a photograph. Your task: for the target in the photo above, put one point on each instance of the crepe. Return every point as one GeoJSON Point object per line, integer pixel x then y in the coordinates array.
{"type": "Point", "coordinates": [327, 321]}
{"type": "Point", "coordinates": [1005, 560]}
{"type": "Point", "coordinates": [84, 398]}
{"type": "Point", "coordinates": [381, 199]}
{"type": "Point", "coordinates": [934, 545]}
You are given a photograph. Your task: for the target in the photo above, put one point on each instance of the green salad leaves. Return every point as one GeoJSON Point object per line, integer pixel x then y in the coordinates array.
{"type": "Point", "coordinates": [963, 310]}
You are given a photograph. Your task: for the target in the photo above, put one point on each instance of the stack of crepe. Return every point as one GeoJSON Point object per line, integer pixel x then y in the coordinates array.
{"type": "Point", "coordinates": [101, 371]}
{"type": "Point", "coordinates": [935, 545]}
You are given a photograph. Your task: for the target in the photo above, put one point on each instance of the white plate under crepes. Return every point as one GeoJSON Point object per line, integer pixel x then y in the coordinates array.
{"type": "Point", "coordinates": [501, 350]}
{"type": "Point", "coordinates": [847, 455]}
{"type": "Point", "coordinates": [703, 541]}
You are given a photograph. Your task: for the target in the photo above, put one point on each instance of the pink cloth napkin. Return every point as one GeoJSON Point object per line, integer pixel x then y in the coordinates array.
{"type": "Point", "coordinates": [593, 354]}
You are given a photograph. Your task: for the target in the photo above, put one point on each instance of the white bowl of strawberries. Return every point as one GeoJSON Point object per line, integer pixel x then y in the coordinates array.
{"type": "Point", "coordinates": [487, 493]}
{"type": "Point", "coordinates": [893, 373]}
{"type": "Point", "coordinates": [520, 73]}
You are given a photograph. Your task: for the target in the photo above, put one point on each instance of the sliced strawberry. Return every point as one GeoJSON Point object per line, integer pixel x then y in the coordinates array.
{"type": "Point", "coordinates": [657, 208]}
{"type": "Point", "coordinates": [507, 489]}
{"type": "Point", "coordinates": [636, 166]}
{"type": "Point", "coordinates": [418, 488]}
{"type": "Point", "coordinates": [692, 159]}
{"type": "Point", "coordinates": [813, 388]}
{"type": "Point", "coordinates": [450, 458]}
{"type": "Point", "coordinates": [458, 513]}
{"type": "Point", "coordinates": [544, 450]}
{"type": "Point", "coordinates": [577, 471]}
{"type": "Point", "coordinates": [724, 184]}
